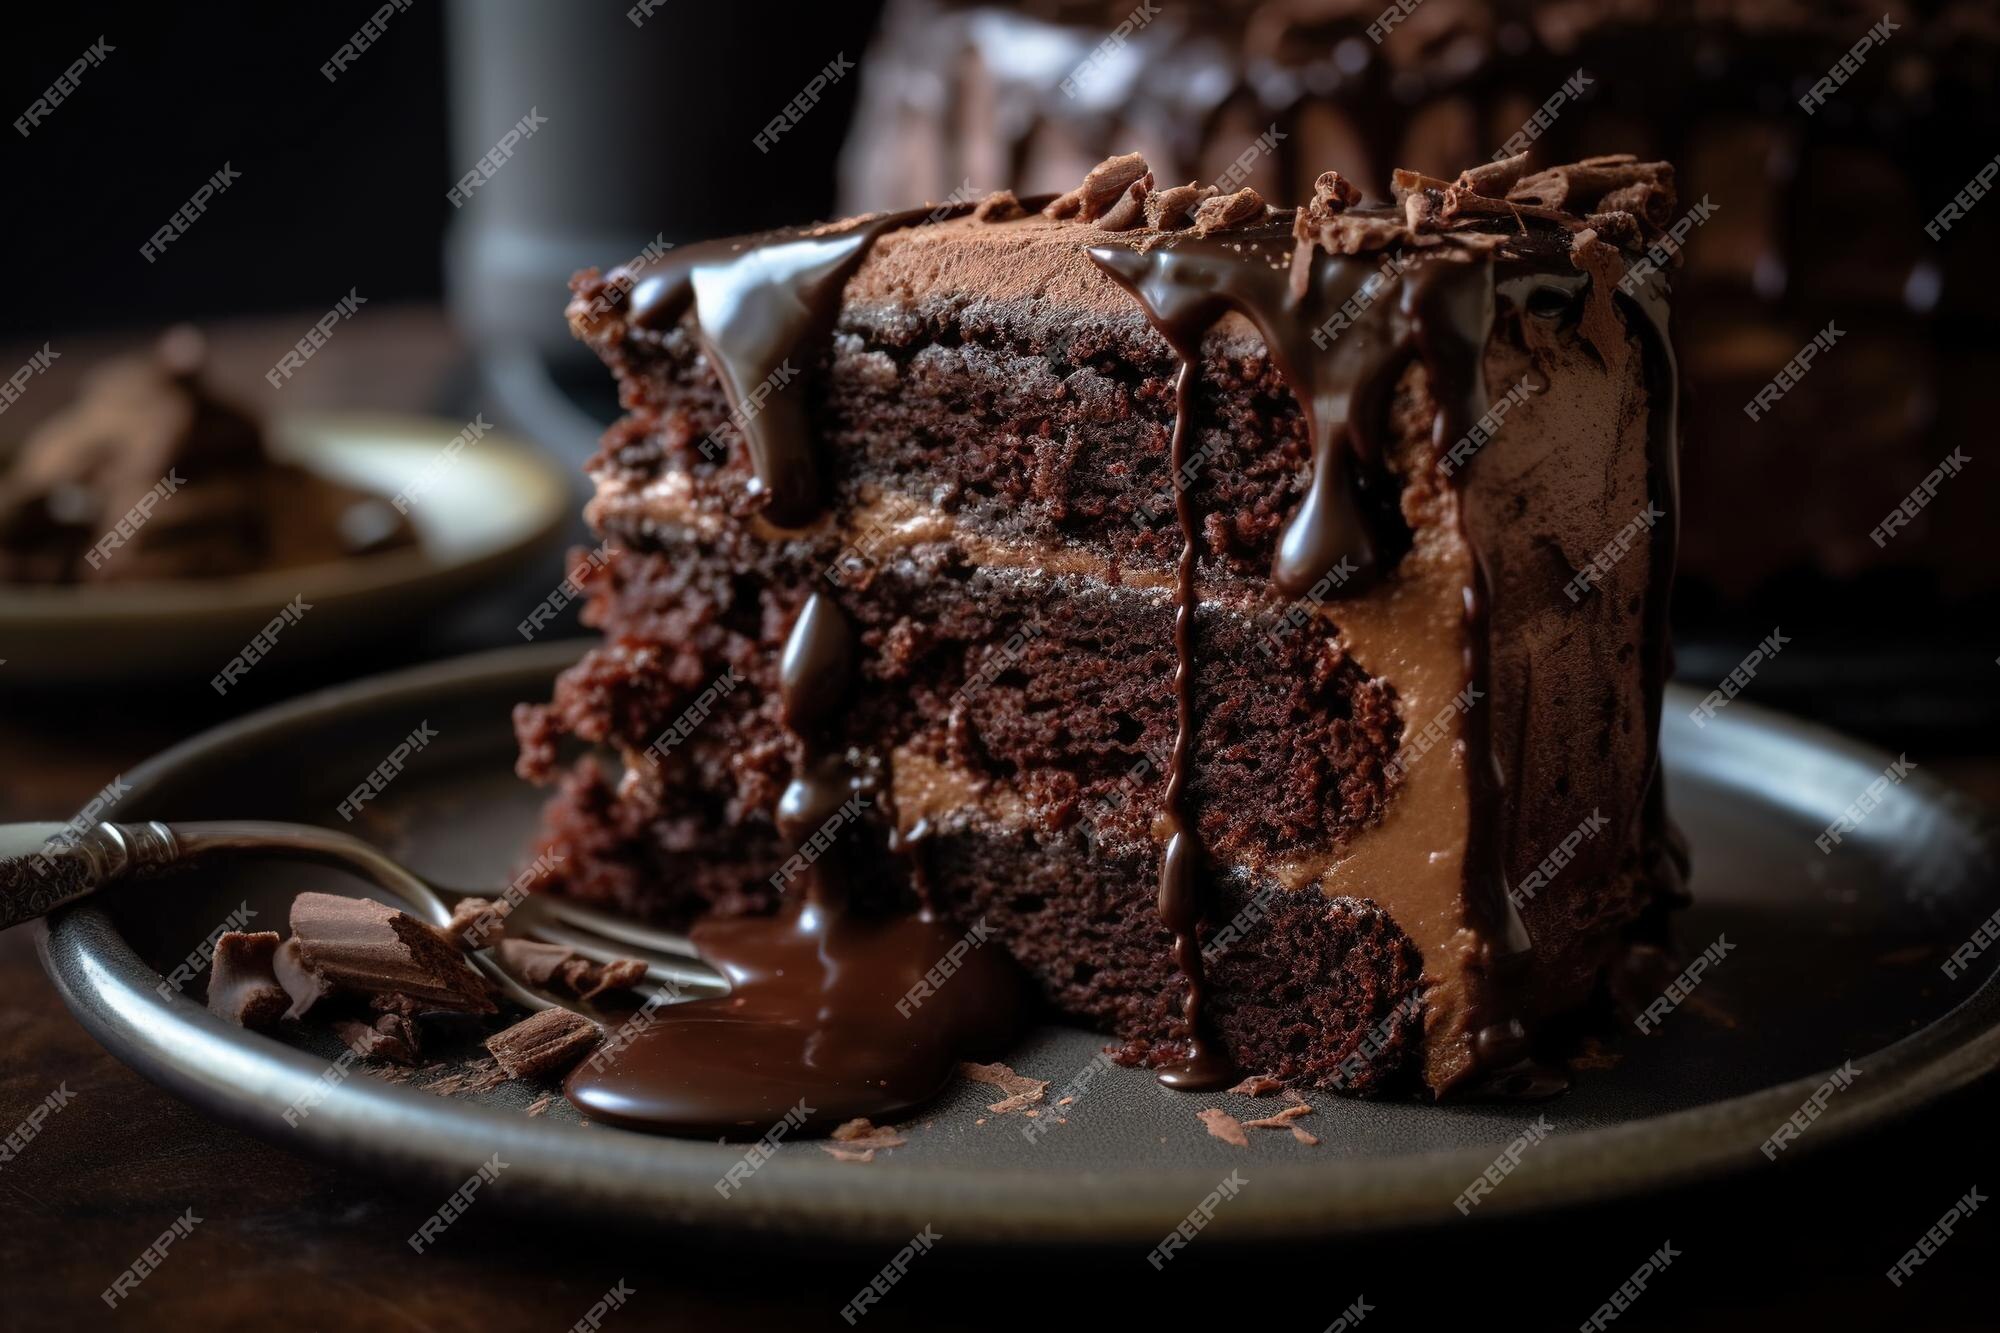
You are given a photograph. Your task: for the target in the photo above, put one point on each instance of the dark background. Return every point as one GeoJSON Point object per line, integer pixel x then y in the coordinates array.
{"type": "Point", "coordinates": [344, 182]}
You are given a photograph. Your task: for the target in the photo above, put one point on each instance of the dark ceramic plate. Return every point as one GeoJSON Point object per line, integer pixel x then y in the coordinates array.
{"type": "Point", "coordinates": [1834, 958]}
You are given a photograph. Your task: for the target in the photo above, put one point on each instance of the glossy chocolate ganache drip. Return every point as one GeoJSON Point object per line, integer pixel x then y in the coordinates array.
{"type": "Point", "coordinates": [1440, 313]}
{"type": "Point", "coordinates": [1346, 302]}
{"type": "Point", "coordinates": [817, 1028]}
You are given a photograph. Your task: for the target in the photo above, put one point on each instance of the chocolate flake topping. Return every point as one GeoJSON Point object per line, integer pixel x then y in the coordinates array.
{"type": "Point", "coordinates": [1104, 186]}
{"type": "Point", "coordinates": [1173, 208]}
{"type": "Point", "coordinates": [1228, 211]}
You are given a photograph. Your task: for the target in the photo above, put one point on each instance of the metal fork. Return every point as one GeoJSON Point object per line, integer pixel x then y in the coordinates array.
{"type": "Point", "coordinates": [45, 866]}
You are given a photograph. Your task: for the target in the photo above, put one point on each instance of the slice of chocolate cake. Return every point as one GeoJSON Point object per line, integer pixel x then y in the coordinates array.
{"type": "Point", "coordinates": [1250, 621]}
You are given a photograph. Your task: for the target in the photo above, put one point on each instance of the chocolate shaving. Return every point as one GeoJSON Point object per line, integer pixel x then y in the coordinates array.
{"type": "Point", "coordinates": [534, 961]}
{"type": "Point", "coordinates": [479, 1076]}
{"type": "Point", "coordinates": [1355, 233]}
{"type": "Point", "coordinates": [243, 988]}
{"type": "Point", "coordinates": [1105, 184]}
{"type": "Point", "coordinates": [1333, 193]}
{"type": "Point", "coordinates": [1280, 1119]}
{"type": "Point", "coordinates": [1619, 229]}
{"type": "Point", "coordinates": [1000, 206]}
{"type": "Point", "coordinates": [1303, 1137]}
{"type": "Point", "coordinates": [558, 967]}
{"type": "Point", "coordinates": [1224, 1126]}
{"type": "Point", "coordinates": [360, 946]}
{"type": "Point", "coordinates": [1493, 179]}
{"type": "Point", "coordinates": [1457, 203]}
{"type": "Point", "coordinates": [481, 915]}
{"type": "Point", "coordinates": [1130, 210]}
{"type": "Point", "coordinates": [1172, 208]}
{"type": "Point", "coordinates": [1620, 183]}
{"type": "Point", "coordinates": [1419, 208]}
{"type": "Point", "coordinates": [1227, 211]}
{"type": "Point", "coordinates": [862, 1133]}
{"type": "Point", "coordinates": [543, 1044]}
{"type": "Point", "coordinates": [1023, 1091]}
{"type": "Point", "coordinates": [1258, 1085]}
{"type": "Point", "coordinates": [618, 974]}
{"type": "Point", "coordinates": [541, 1104]}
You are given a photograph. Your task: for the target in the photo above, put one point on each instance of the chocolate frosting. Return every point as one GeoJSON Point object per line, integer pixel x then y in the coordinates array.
{"type": "Point", "coordinates": [1347, 301]}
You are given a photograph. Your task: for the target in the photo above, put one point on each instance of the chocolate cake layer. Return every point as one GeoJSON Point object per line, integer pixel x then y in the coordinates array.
{"type": "Point", "coordinates": [1411, 718]}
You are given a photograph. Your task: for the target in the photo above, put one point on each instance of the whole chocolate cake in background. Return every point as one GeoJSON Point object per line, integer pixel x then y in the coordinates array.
{"type": "Point", "coordinates": [1818, 219]}
{"type": "Point", "coordinates": [1228, 609]}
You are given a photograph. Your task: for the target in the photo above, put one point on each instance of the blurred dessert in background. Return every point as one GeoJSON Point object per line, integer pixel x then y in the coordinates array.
{"type": "Point", "coordinates": [1819, 217]}
{"type": "Point", "coordinates": [148, 475]}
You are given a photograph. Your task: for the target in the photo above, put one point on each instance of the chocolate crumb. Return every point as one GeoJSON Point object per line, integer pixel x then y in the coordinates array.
{"type": "Point", "coordinates": [1229, 210]}
{"type": "Point", "coordinates": [374, 1043]}
{"type": "Point", "coordinates": [542, 1044]}
{"type": "Point", "coordinates": [840, 1154]}
{"type": "Point", "coordinates": [1000, 206]}
{"type": "Point", "coordinates": [1224, 1126]}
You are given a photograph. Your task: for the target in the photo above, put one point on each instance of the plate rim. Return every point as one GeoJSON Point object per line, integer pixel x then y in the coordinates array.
{"type": "Point", "coordinates": [602, 1171]}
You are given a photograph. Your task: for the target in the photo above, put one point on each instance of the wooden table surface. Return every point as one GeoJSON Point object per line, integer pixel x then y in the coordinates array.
{"type": "Point", "coordinates": [293, 1239]}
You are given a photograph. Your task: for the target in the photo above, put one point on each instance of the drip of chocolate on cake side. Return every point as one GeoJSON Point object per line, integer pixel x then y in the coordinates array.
{"type": "Point", "coordinates": [820, 1025]}
{"type": "Point", "coordinates": [808, 1022]}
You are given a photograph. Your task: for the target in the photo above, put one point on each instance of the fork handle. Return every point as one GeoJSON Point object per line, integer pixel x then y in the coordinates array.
{"type": "Point", "coordinates": [44, 866]}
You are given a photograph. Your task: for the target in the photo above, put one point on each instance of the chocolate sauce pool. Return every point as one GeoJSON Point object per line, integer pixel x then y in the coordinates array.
{"type": "Point", "coordinates": [825, 1019]}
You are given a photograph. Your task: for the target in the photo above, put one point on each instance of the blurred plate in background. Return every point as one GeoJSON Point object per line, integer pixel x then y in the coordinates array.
{"type": "Point", "coordinates": [487, 511]}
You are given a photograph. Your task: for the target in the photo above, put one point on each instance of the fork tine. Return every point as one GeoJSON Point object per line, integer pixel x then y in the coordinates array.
{"type": "Point", "coordinates": [683, 973]}
{"type": "Point", "coordinates": [616, 929]}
